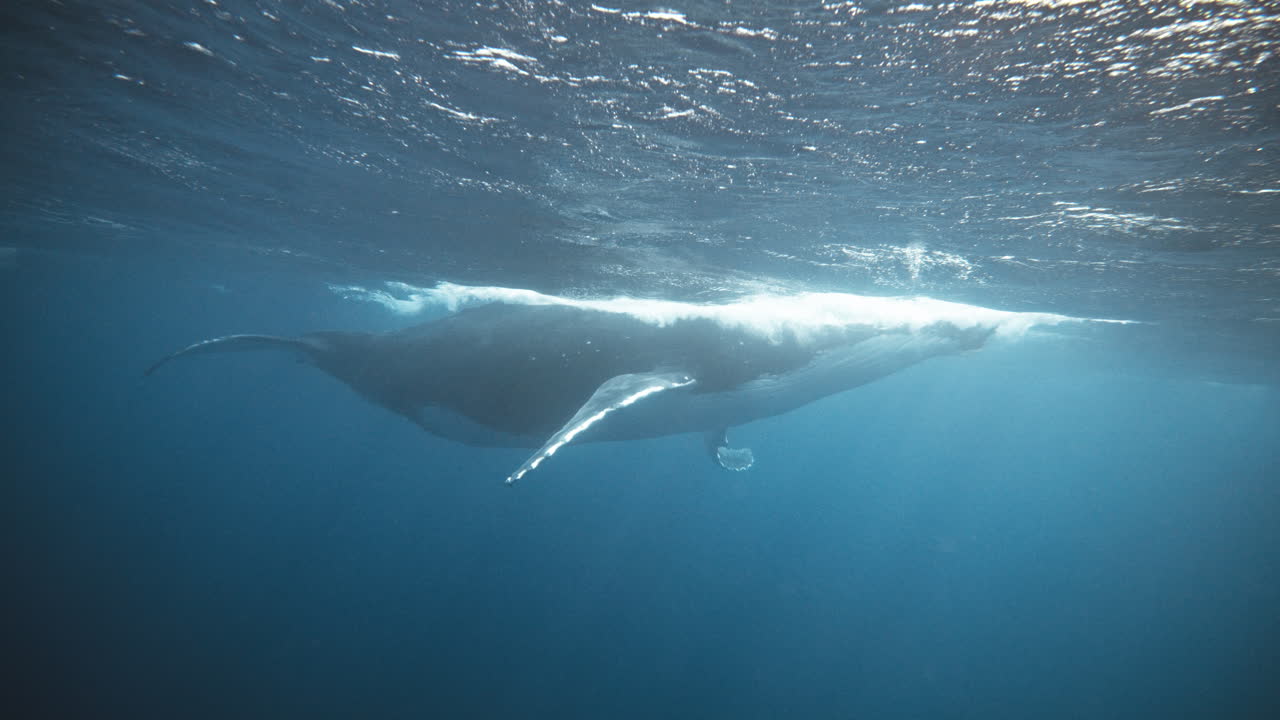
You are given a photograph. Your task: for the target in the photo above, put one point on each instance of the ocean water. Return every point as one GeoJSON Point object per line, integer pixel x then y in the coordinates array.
{"type": "Point", "coordinates": [1078, 520]}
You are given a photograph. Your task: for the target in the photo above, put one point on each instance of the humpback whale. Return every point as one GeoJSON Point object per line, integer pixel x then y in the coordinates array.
{"type": "Point", "coordinates": [543, 374]}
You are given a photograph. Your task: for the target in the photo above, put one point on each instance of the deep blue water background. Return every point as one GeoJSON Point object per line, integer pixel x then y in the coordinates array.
{"type": "Point", "coordinates": [1078, 524]}
{"type": "Point", "coordinates": [969, 538]}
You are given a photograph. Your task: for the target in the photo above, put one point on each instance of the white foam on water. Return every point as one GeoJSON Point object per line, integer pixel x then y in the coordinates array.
{"type": "Point", "coordinates": [773, 316]}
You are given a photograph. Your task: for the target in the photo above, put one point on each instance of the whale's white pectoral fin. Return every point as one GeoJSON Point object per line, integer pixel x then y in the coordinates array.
{"type": "Point", "coordinates": [615, 394]}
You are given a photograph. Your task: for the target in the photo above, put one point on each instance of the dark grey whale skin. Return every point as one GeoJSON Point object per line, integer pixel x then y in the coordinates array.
{"type": "Point", "coordinates": [524, 370]}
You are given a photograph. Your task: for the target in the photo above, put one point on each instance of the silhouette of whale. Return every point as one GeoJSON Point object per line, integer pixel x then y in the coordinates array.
{"type": "Point", "coordinates": [542, 376]}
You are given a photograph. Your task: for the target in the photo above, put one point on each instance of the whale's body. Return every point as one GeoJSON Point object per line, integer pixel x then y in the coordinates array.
{"type": "Point", "coordinates": [541, 376]}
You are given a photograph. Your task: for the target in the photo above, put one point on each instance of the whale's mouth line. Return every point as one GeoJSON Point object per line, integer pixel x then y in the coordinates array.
{"type": "Point", "coordinates": [767, 315]}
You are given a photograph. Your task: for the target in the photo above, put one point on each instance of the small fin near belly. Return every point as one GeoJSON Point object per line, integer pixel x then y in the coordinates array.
{"type": "Point", "coordinates": [729, 458]}
{"type": "Point", "coordinates": [615, 394]}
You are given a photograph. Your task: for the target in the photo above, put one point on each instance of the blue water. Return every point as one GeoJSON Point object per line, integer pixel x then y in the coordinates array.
{"type": "Point", "coordinates": [1078, 523]}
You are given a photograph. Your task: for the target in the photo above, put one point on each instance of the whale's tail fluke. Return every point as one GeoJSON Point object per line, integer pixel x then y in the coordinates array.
{"type": "Point", "coordinates": [309, 347]}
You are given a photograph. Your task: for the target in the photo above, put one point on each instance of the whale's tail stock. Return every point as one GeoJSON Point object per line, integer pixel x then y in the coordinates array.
{"type": "Point", "coordinates": [306, 346]}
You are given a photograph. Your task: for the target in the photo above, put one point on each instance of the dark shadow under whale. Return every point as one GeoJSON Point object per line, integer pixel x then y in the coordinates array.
{"type": "Point", "coordinates": [541, 376]}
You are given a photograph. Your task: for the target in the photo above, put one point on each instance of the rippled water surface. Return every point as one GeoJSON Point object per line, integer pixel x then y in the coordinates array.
{"type": "Point", "coordinates": [1092, 157]}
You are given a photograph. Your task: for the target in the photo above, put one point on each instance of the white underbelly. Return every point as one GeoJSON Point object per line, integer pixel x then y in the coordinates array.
{"type": "Point", "coordinates": [688, 410]}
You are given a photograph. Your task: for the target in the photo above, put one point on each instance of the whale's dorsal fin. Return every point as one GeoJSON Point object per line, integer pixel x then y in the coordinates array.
{"type": "Point", "coordinates": [615, 394]}
{"type": "Point", "coordinates": [238, 343]}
